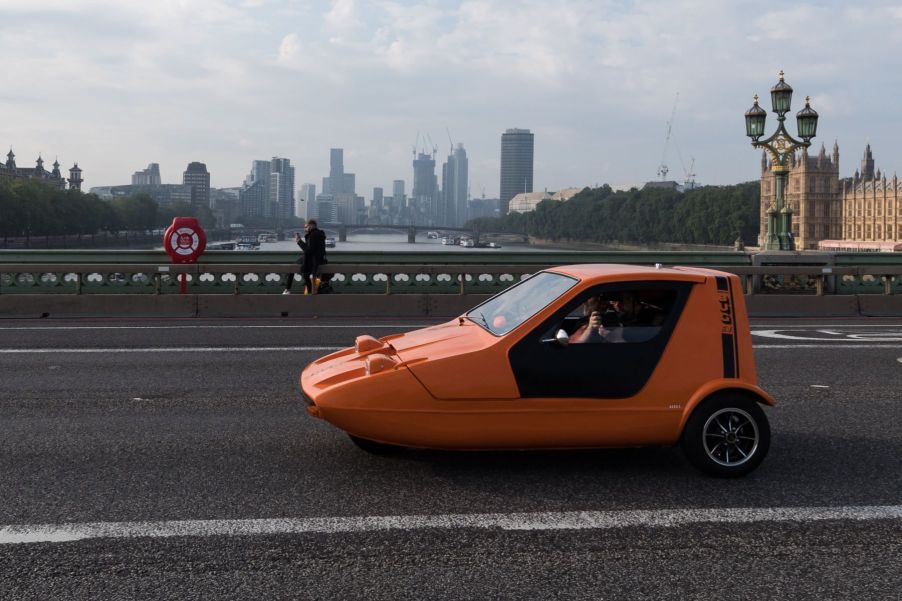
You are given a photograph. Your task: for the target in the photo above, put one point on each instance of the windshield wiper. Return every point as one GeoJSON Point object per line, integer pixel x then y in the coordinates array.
{"type": "Point", "coordinates": [484, 322]}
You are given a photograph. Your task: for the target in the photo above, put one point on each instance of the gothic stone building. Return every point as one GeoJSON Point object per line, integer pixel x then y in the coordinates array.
{"type": "Point", "coordinates": [864, 208]}
{"type": "Point", "coordinates": [10, 170]}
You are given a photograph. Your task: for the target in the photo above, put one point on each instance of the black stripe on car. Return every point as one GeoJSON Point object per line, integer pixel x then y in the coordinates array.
{"type": "Point", "coordinates": [728, 328]}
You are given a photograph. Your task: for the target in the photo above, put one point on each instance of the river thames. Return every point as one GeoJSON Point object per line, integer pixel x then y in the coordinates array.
{"type": "Point", "coordinates": [398, 243]}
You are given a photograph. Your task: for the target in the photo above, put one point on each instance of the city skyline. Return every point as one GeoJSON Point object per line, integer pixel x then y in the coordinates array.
{"type": "Point", "coordinates": [174, 82]}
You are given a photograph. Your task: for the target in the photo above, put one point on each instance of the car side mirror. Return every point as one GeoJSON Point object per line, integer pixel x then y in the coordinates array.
{"type": "Point", "coordinates": [561, 338]}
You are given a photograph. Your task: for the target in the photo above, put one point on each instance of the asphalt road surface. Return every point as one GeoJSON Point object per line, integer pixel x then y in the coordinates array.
{"type": "Point", "coordinates": [174, 459]}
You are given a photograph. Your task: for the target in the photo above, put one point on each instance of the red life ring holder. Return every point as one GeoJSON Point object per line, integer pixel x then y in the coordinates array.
{"type": "Point", "coordinates": [184, 240]}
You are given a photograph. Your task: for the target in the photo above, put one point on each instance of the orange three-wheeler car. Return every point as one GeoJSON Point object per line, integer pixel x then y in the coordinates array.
{"type": "Point", "coordinates": [579, 356]}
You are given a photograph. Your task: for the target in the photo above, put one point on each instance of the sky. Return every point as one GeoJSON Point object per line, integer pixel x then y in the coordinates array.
{"type": "Point", "coordinates": [116, 85]}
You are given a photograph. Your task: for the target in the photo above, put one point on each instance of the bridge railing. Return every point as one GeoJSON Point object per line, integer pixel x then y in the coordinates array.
{"type": "Point", "coordinates": [396, 278]}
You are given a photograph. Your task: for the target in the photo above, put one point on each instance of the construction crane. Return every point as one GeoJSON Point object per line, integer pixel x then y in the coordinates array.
{"type": "Point", "coordinates": [450, 141]}
{"type": "Point", "coordinates": [662, 168]}
{"type": "Point", "coordinates": [689, 182]}
{"type": "Point", "coordinates": [432, 144]}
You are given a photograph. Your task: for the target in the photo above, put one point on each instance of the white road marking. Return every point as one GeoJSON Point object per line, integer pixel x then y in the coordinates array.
{"type": "Point", "coordinates": [189, 349]}
{"type": "Point", "coordinates": [570, 520]}
{"type": "Point", "coordinates": [876, 336]}
{"type": "Point", "coordinates": [810, 326]}
{"type": "Point", "coordinates": [835, 345]}
{"type": "Point", "coordinates": [819, 386]}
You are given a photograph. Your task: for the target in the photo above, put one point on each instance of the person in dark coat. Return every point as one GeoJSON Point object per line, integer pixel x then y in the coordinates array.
{"type": "Point", "coordinates": [314, 246]}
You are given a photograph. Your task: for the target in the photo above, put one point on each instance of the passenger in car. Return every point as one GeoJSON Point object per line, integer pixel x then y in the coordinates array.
{"type": "Point", "coordinates": [641, 320]}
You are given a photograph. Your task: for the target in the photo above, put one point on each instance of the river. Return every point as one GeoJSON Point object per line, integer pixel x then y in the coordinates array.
{"type": "Point", "coordinates": [398, 243]}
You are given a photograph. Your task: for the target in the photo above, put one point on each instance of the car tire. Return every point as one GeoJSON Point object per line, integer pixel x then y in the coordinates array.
{"type": "Point", "coordinates": [376, 448]}
{"type": "Point", "coordinates": [727, 436]}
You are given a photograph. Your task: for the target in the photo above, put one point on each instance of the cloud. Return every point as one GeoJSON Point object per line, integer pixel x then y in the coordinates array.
{"type": "Point", "coordinates": [228, 81]}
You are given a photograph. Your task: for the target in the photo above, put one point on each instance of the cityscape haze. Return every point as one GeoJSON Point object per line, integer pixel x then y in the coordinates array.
{"type": "Point", "coordinates": [225, 83]}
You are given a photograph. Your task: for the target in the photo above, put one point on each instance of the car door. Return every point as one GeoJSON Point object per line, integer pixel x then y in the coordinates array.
{"type": "Point", "coordinates": [614, 366]}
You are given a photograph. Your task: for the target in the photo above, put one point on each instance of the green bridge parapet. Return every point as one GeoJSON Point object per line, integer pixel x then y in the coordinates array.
{"type": "Point", "coordinates": [769, 279]}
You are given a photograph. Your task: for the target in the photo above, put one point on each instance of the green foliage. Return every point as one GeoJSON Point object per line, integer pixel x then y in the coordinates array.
{"type": "Point", "coordinates": [33, 208]}
{"type": "Point", "coordinates": [707, 215]}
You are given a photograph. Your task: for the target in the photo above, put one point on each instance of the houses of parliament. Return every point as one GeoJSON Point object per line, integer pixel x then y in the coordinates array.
{"type": "Point", "coordinates": [862, 212]}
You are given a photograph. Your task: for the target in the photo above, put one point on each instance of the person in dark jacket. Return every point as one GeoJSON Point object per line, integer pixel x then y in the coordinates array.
{"type": "Point", "coordinates": [314, 246]}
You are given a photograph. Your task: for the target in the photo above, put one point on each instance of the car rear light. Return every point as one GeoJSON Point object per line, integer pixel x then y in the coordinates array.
{"type": "Point", "coordinates": [378, 362]}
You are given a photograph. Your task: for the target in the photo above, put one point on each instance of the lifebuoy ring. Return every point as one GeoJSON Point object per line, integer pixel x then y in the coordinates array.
{"type": "Point", "coordinates": [184, 241]}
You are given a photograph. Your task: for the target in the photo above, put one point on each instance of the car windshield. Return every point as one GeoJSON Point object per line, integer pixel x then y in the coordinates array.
{"type": "Point", "coordinates": [504, 312]}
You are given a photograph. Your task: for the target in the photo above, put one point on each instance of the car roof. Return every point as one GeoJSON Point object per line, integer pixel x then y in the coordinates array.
{"type": "Point", "coordinates": [620, 272]}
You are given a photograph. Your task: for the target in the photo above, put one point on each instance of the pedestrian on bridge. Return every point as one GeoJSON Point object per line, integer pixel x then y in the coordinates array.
{"type": "Point", "coordinates": [313, 245]}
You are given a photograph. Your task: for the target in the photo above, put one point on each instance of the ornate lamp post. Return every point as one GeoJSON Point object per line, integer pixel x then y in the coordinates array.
{"type": "Point", "coordinates": [781, 147]}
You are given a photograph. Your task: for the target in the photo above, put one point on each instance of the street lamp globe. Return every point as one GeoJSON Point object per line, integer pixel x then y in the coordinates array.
{"type": "Point", "coordinates": [807, 121]}
{"type": "Point", "coordinates": [754, 121]}
{"type": "Point", "coordinates": [781, 96]}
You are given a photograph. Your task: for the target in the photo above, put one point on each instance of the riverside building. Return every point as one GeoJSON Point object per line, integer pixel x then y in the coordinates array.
{"type": "Point", "coordinates": [862, 212]}
{"type": "Point", "coordinates": [9, 170]}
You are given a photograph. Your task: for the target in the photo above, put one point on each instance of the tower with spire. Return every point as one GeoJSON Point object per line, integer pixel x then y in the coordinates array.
{"type": "Point", "coordinates": [871, 204]}
{"type": "Point", "coordinates": [10, 170]}
{"type": "Point", "coordinates": [75, 177]}
{"type": "Point", "coordinates": [867, 164]}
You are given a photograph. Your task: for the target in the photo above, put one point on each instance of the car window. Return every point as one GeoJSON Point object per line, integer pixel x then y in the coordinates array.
{"type": "Point", "coordinates": [619, 316]}
{"type": "Point", "coordinates": [504, 312]}
{"type": "Point", "coordinates": [545, 368]}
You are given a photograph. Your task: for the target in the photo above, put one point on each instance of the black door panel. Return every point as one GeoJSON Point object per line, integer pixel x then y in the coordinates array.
{"type": "Point", "coordinates": [599, 369]}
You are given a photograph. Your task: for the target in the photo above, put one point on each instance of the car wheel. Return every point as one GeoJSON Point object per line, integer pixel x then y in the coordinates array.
{"type": "Point", "coordinates": [376, 448]}
{"type": "Point", "coordinates": [727, 436]}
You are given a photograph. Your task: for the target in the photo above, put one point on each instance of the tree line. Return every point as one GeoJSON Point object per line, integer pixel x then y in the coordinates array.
{"type": "Point", "coordinates": [706, 215]}
{"type": "Point", "coordinates": [33, 208]}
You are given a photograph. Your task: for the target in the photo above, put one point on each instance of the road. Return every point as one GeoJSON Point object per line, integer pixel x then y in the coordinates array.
{"type": "Point", "coordinates": [174, 459]}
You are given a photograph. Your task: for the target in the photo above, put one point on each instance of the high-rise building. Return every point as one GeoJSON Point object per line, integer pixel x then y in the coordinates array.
{"type": "Point", "coordinates": [455, 183]}
{"type": "Point", "coordinates": [253, 199]}
{"type": "Point", "coordinates": [197, 176]}
{"type": "Point", "coordinates": [338, 181]}
{"type": "Point", "coordinates": [147, 177]}
{"type": "Point", "coordinates": [377, 199]}
{"type": "Point", "coordinates": [281, 188]}
{"type": "Point", "coordinates": [307, 201]}
{"type": "Point", "coordinates": [516, 164]}
{"type": "Point", "coordinates": [398, 198]}
{"type": "Point", "coordinates": [424, 196]}
{"type": "Point", "coordinates": [326, 209]}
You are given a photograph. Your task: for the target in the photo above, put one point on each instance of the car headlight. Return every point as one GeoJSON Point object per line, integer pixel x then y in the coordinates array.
{"type": "Point", "coordinates": [378, 362]}
{"type": "Point", "coordinates": [365, 343]}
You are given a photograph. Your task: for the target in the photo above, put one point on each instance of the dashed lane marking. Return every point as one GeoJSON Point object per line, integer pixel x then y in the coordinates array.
{"type": "Point", "coordinates": [574, 520]}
